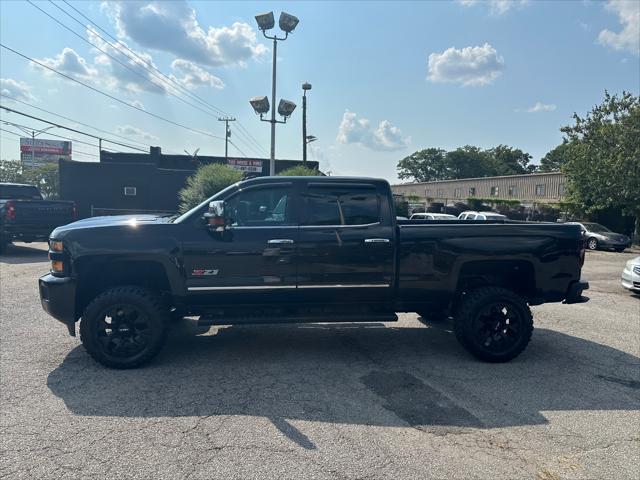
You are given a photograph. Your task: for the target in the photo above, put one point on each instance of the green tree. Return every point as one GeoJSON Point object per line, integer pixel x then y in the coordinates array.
{"type": "Point", "coordinates": [11, 171]}
{"type": "Point", "coordinates": [510, 161]}
{"type": "Point", "coordinates": [603, 162]}
{"type": "Point", "coordinates": [554, 159]}
{"type": "Point", "coordinates": [469, 162]}
{"type": "Point", "coordinates": [207, 181]}
{"type": "Point", "coordinates": [299, 171]}
{"type": "Point", "coordinates": [44, 177]}
{"type": "Point", "coordinates": [424, 165]}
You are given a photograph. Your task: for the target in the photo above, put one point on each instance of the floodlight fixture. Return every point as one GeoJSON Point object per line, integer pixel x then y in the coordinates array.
{"type": "Point", "coordinates": [266, 21]}
{"type": "Point", "coordinates": [306, 86]}
{"type": "Point", "coordinates": [286, 108]}
{"type": "Point", "coordinates": [287, 22]}
{"type": "Point", "coordinates": [260, 105]}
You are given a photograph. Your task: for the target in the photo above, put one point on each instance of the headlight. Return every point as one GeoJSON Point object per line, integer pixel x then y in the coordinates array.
{"type": "Point", "coordinates": [56, 246]}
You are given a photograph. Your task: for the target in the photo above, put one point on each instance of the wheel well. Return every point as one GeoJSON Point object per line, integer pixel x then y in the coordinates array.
{"type": "Point", "coordinates": [95, 277]}
{"type": "Point", "coordinates": [517, 276]}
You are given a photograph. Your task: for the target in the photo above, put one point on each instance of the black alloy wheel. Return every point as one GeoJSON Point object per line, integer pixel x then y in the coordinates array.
{"type": "Point", "coordinates": [124, 327]}
{"type": "Point", "coordinates": [493, 323]}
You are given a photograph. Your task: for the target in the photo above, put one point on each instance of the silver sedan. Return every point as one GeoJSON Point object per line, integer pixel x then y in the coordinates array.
{"type": "Point", "coordinates": [631, 275]}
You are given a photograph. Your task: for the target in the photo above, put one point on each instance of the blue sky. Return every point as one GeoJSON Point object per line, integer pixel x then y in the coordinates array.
{"type": "Point", "coordinates": [388, 78]}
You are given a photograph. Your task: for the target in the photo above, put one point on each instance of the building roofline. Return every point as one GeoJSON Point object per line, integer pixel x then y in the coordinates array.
{"type": "Point", "coordinates": [524, 175]}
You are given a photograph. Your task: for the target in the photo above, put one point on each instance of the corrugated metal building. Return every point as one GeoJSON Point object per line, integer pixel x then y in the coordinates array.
{"type": "Point", "coordinates": [527, 189]}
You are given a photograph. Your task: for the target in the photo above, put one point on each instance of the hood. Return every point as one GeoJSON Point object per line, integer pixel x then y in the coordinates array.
{"type": "Point", "coordinates": [130, 221]}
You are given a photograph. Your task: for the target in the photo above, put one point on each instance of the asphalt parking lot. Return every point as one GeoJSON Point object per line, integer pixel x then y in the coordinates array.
{"type": "Point", "coordinates": [348, 401]}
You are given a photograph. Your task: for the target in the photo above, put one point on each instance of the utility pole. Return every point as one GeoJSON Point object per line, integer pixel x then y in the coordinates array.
{"type": "Point", "coordinates": [227, 134]}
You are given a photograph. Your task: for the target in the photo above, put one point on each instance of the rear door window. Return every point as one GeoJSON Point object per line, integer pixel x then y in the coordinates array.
{"type": "Point", "coordinates": [340, 206]}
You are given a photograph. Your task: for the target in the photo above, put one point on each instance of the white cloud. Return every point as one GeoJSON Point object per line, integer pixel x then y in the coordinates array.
{"type": "Point", "coordinates": [541, 107]}
{"type": "Point", "coordinates": [135, 76]}
{"type": "Point", "coordinates": [16, 89]}
{"type": "Point", "coordinates": [468, 66]}
{"type": "Point", "coordinates": [70, 63]}
{"type": "Point", "coordinates": [496, 7]}
{"type": "Point", "coordinates": [134, 132]}
{"type": "Point", "coordinates": [137, 104]}
{"type": "Point", "coordinates": [628, 38]}
{"type": "Point", "coordinates": [173, 27]}
{"type": "Point", "coordinates": [194, 76]}
{"type": "Point", "coordinates": [359, 131]}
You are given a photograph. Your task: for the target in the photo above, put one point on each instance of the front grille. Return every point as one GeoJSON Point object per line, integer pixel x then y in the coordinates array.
{"type": "Point", "coordinates": [636, 269]}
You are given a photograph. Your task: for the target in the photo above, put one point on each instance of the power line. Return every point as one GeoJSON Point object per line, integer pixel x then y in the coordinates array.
{"type": "Point", "coordinates": [70, 129]}
{"type": "Point", "coordinates": [180, 87]}
{"type": "Point", "coordinates": [18, 125]}
{"type": "Point", "coordinates": [73, 120]}
{"type": "Point", "coordinates": [241, 152]}
{"type": "Point", "coordinates": [26, 57]}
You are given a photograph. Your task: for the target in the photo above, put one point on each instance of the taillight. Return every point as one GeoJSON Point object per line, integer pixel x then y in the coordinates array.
{"type": "Point", "coordinates": [74, 211]}
{"type": "Point", "coordinates": [11, 211]}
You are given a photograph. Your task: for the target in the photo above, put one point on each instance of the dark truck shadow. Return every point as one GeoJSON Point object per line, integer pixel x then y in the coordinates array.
{"type": "Point", "coordinates": [21, 253]}
{"type": "Point", "coordinates": [366, 374]}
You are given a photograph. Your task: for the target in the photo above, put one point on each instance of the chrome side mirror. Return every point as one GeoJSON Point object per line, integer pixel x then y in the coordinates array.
{"type": "Point", "coordinates": [215, 216]}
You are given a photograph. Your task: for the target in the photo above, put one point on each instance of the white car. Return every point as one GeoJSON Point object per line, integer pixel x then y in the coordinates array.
{"type": "Point", "coordinates": [469, 215]}
{"type": "Point", "coordinates": [631, 275]}
{"type": "Point", "coordinates": [432, 216]}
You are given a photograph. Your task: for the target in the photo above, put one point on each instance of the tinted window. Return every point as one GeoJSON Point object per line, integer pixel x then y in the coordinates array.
{"type": "Point", "coordinates": [331, 206]}
{"type": "Point", "coordinates": [19, 191]}
{"type": "Point", "coordinates": [259, 207]}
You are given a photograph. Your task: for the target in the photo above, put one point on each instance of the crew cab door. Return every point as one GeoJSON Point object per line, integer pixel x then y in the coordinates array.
{"type": "Point", "coordinates": [345, 244]}
{"type": "Point", "coordinates": [255, 260]}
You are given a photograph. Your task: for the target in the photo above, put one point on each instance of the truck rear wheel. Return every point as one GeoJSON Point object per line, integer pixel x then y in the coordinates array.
{"type": "Point", "coordinates": [124, 327]}
{"type": "Point", "coordinates": [494, 324]}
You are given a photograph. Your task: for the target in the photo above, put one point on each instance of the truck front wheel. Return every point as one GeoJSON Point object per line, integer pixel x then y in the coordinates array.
{"type": "Point", "coordinates": [494, 324]}
{"type": "Point", "coordinates": [124, 327]}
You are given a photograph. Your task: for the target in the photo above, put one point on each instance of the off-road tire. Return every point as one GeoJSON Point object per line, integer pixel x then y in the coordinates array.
{"type": "Point", "coordinates": [470, 311]}
{"type": "Point", "coordinates": [146, 302]}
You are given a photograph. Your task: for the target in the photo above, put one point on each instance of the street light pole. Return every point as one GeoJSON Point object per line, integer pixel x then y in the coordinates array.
{"type": "Point", "coordinates": [305, 86]}
{"type": "Point", "coordinates": [287, 24]}
{"type": "Point", "coordinates": [272, 157]}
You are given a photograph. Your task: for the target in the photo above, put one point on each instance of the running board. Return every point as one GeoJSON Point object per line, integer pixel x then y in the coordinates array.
{"type": "Point", "coordinates": [205, 321]}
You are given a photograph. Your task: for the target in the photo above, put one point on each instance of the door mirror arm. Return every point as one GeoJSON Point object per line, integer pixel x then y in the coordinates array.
{"type": "Point", "coordinates": [215, 218]}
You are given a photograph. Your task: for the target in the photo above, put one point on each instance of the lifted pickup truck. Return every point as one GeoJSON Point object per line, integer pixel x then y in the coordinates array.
{"type": "Point", "coordinates": [25, 216]}
{"type": "Point", "coordinates": [304, 249]}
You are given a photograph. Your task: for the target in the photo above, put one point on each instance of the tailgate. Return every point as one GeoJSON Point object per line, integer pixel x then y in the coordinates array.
{"type": "Point", "coordinates": [42, 212]}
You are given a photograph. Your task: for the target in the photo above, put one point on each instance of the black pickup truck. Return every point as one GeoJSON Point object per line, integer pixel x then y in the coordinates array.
{"type": "Point", "coordinates": [25, 216]}
{"type": "Point", "coordinates": [304, 249]}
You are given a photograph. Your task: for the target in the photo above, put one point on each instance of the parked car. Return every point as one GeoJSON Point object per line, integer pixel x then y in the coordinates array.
{"type": "Point", "coordinates": [600, 237]}
{"type": "Point", "coordinates": [26, 217]}
{"type": "Point", "coordinates": [398, 217]}
{"type": "Point", "coordinates": [631, 275]}
{"type": "Point", "coordinates": [432, 216]}
{"type": "Point", "coordinates": [304, 249]}
{"type": "Point", "coordinates": [471, 215]}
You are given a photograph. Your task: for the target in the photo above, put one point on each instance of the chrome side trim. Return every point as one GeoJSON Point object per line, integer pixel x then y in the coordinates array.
{"type": "Point", "coordinates": [363, 225]}
{"type": "Point", "coordinates": [376, 240]}
{"type": "Point", "coordinates": [256, 287]}
{"type": "Point", "coordinates": [290, 287]}
{"type": "Point", "coordinates": [280, 241]}
{"type": "Point", "coordinates": [363, 285]}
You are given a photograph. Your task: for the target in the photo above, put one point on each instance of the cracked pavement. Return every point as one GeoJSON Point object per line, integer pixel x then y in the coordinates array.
{"type": "Point", "coordinates": [351, 401]}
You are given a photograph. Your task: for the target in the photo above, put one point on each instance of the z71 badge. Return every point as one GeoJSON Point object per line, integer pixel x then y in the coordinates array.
{"type": "Point", "coordinates": [203, 272]}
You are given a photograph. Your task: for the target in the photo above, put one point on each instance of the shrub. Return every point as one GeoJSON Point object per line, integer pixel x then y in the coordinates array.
{"type": "Point", "coordinates": [299, 171]}
{"type": "Point", "coordinates": [206, 182]}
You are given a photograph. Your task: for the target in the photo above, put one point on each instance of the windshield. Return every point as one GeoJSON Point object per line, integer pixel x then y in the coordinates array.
{"type": "Point", "coordinates": [187, 215]}
{"type": "Point", "coordinates": [595, 227]}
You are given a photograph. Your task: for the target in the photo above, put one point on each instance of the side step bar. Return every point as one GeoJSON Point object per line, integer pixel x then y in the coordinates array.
{"type": "Point", "coordinates": [205, 321]}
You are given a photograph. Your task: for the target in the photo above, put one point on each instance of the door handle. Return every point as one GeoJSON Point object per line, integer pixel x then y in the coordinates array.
{"type": "Point", "coordinates": [376, 240]}
{"type": "Point", "coordinates": [280, 241]}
